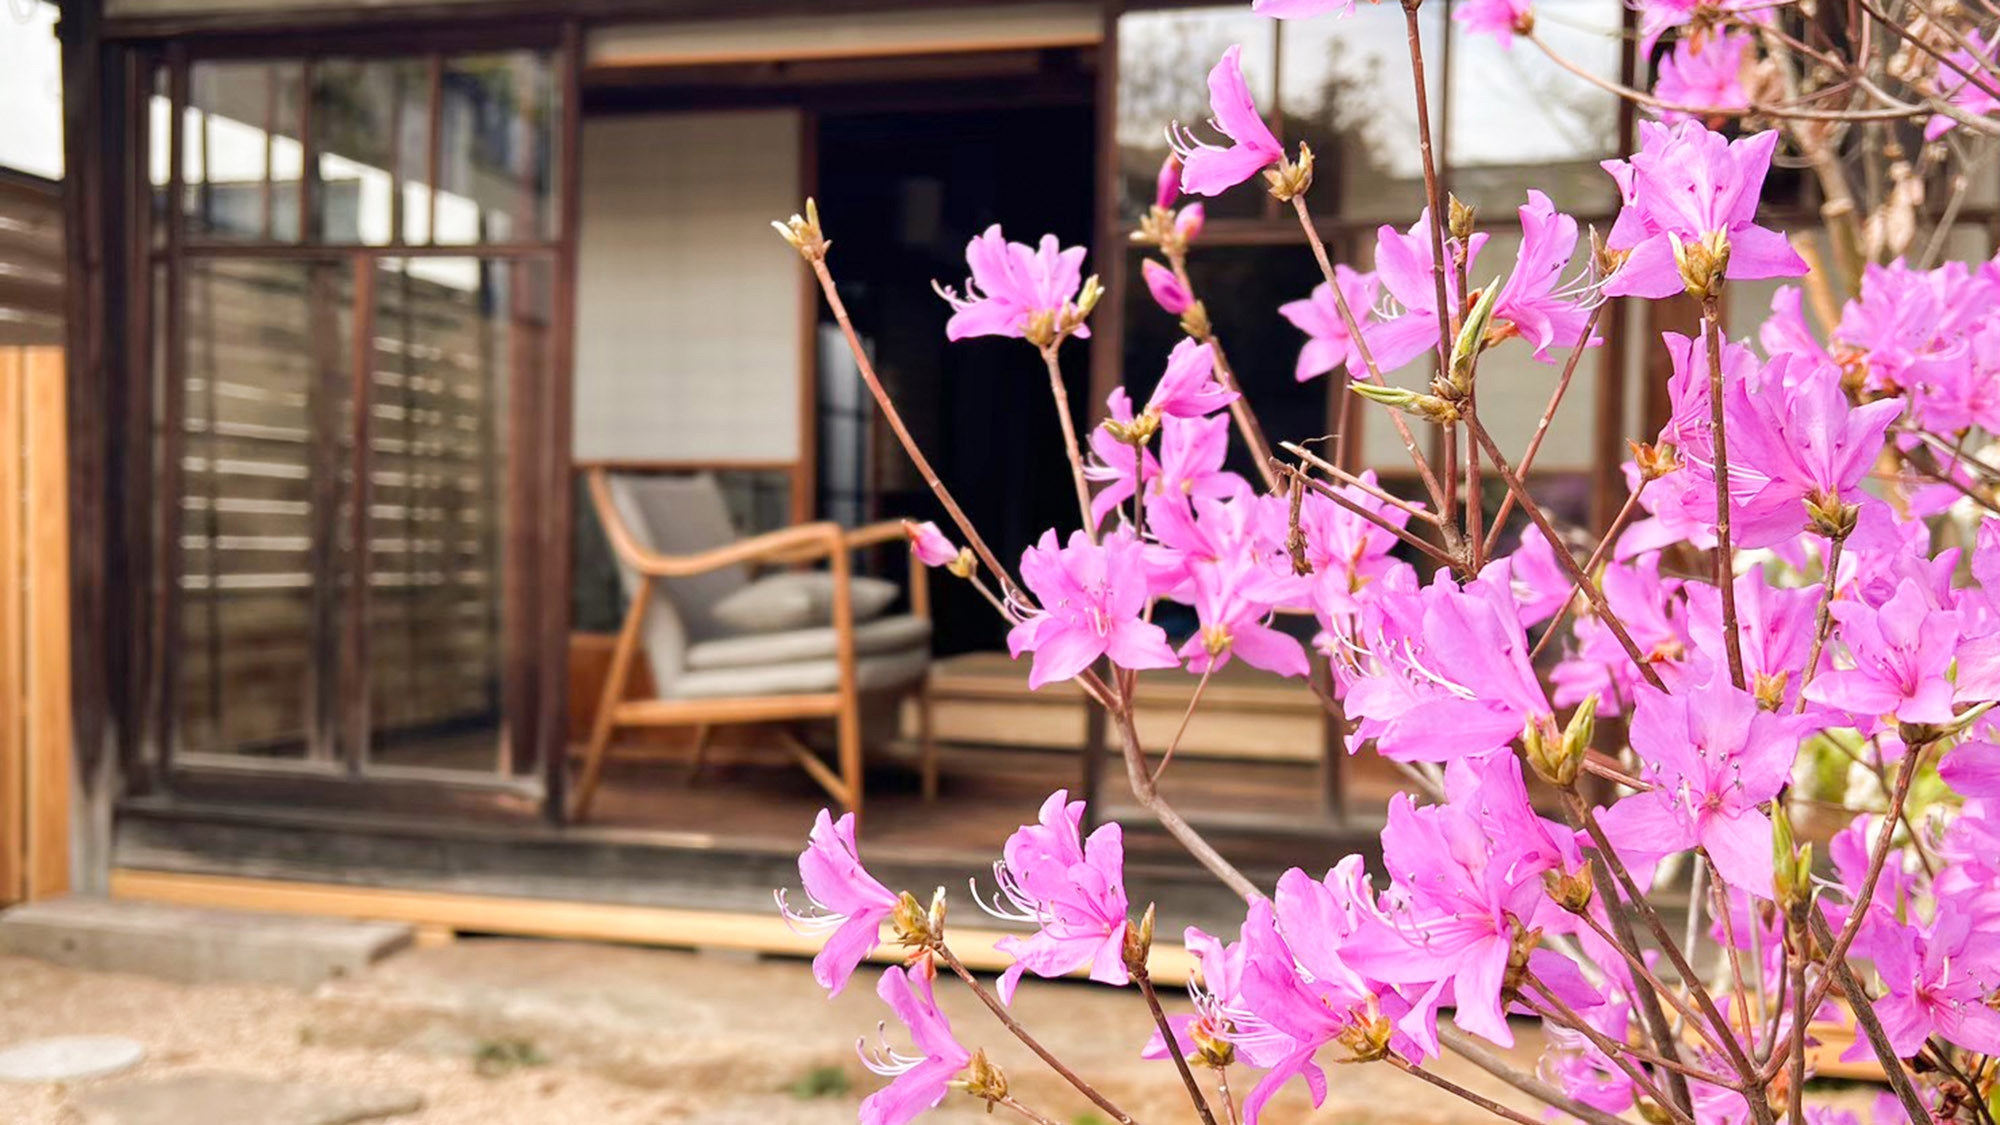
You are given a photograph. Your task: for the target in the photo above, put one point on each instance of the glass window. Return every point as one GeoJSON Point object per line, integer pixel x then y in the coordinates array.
{"type": "Point", "coordinates": [497, 150]}
{"type": "Point", "coordinates": [241, 158]}
{"type": "Point", "coordinates": [31, 89]}
{"type": "Point", "coordinates": [1520, 121]}
{"type": "Point", "coordinates": [1163, 61]}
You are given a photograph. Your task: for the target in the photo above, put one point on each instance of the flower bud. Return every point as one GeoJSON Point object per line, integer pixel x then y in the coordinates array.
{"type": "Point", "coordinates": [1461, 219]}
{"type": "Point", "coordinates": [1139, 943]}
{"type": "Point", "coordinates": [928, 543]}
{"type": "Point", "coordinates": [983, 1080]}
{"type": "Point", "coordinates": [1655, 461]}
{"type": "Point", "coordinates": [912, 923]}
{"type": "Point", "coordinates": [803, 232]}
{"type": "Point", "coordinates": [1195, 323]}
{"type": "Point", "coordinates": [1040, 329]}
{"type": "Point", "coordinates": [1167, 188]}
{"type": "Point", "coordinates": [1189, 222]}
{"type": "Point", "coordinates": [1368, 1041]}
{"type": "Point", "coordinates": [1558, 758]}
{"type": "Point", "coordinates": [1167, 290]}
{"type": "Point", "coordinates": [1831, 518]}
{"type": "Point", "coordinates": [1572, 892]}
{"type": "Point", "coordinates": [1703, 263]}
{"type": "Point", "coordinates": [1211, 1049]}
{"type": "Point", "coordinates": [1291, 178]}
{"type": "Point", "coordinates": [964, 565]}
{"type": "Point", "coordinates": [1604, 261]}
{"type": "Point", "coordinates": [1793, 865]}
{"type": "Point", "coordinates": [1471, 340]}
{"type": "Point", "coordinates": [1770, 689]}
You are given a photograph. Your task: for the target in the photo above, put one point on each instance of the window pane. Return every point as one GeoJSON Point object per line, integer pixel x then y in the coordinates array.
{"type": "Point", "coordinates": [1514, 387]}
{"type": "Point", "coordinates": [264, 404]}
{"type": "Point", "coordinates": [1519, 121]}
{"type": "Point", "coordinates": [1346, 91]}
{"type": "Point", "coordinates": [1163, 62]}
{"type": "Point", "coordinates": [31, 89]}
{"type": "Point", "coordinates": [369, 121]}
{"type": "Point", "coordinates": [497, 159]}
{"type": "Point", "coordinates": [240, 153]}
{"type": "Point", "coordinates": [455, 340]}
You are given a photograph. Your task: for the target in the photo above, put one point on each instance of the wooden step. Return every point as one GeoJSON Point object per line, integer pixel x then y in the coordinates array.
{"type": "Point", "coordinates": [983, 699]}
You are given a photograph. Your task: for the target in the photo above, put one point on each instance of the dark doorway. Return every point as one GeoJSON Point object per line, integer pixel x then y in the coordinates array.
{"type": "Point", "coordinates": [902, 193]}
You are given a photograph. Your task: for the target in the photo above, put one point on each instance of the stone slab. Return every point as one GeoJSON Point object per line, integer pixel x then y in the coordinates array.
{"type": "Point", "coordinates": [69, 1058]}
{"type": "Point", "coordinates": [191, 945]}
{"type": "Point", "coordinates": [217, 1098]}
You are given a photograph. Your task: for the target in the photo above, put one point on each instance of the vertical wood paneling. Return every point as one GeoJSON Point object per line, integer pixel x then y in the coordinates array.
{"type": "Point", "coordinates": [12, 644]}
{"type": "Point", "coordinates": [46, 707]}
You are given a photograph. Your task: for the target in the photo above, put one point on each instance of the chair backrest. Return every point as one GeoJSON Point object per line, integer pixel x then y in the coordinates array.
{"type": "Point", "coordinates": [676, 515]}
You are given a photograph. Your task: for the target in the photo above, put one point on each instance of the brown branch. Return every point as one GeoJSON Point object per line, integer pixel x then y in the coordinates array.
{"type": "Point", "coordinates": [1144, 980]}
{"type": "Point", "coordinates": [1725, 554]}
{"type": "Point", "coordinates": [1013, 1025]}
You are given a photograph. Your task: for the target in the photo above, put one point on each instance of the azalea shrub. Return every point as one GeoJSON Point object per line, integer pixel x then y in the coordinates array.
{"type": "Point", "coordinates": [1793, 620]}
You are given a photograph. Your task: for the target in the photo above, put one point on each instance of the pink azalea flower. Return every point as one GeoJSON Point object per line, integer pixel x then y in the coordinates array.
{"type": "Point", "coordinates": [1972, 769]}
{"type": "Point", "coordinates": [921, 1080]}
{"type": "Point", "coordinates": [1706, 73]}
{"type": "Point", "coordinates": [1686, 183]}
{"type": "Point", "coordinates": [1071, 889]}
{"type": "Point", "coordinates": [1213, 991]}
{"type": "Point", "coordinates": [1403, 264]}
{"type": "Point", "coordinates": [1794, 429]}
{"type": "Point", "coordinates": [1092, 597]}
{"type": "Point", "coordinates": [1288, 1008]}
{"type": "Point", "coordinates": [1438, 673]}
{"type": "Point", "coordinates": [929, 544]}
{"type": "Point", "coordinates": [1190, 221]}
{"type": "Point", "coordinates": [1302, 9]}
{"type": "Point", "coordinates": [1774, 627]}
{"type": "Point", "coordinates": [1937, 982]}
{"type": "Point", "coordinates": [1212, 169]}
{"type": "Point", "coordinates": [1111, 461]}
{"type": "Point", "coordinates": [1531, 301]}
{"type": "Point", "coordinates": [1656, 17]}
{"type": "Point", "coordinates": [1011, 283]}
{"type": "Point", "coordinates": [1974, 98]}
{"type": "Point", "coordinates": [1167, 186]}
{"type": "Point", "coordinates": [1901, 653]}
{"type": "Point", "coordinates": [1166, 289]}
{"type": "Point", "coordinates": [1234, 600]}
{"type": "Point", "coordinates": [1653, 613]}
{"type": "Point", "coordinates": [1785, 331]}
{"type": "Point", "coordinates": [1347, 553]}
{"type": "Point", "coordinates": [1330, 347]}
{"type": "Point", "coordinates": [1192, 452]}
{"type": "Point", "coordinates": [1502, 19]}
{"type": "Point", "coordinates": [844, 899]}
{"type": "Point", "coordinates": [1189, 388]}
{"type": "Point", "coordinates": [1714, 758]}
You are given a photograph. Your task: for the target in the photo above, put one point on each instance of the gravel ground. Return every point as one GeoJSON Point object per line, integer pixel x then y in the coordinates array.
{"type": "Point", "coordinates": [263, 1031]}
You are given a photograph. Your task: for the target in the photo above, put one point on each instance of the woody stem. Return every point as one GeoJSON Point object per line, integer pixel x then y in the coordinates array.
{"type": "Point", "coordinates": [1061, 393]}
{"type": "Point", "coordinates": [1725, 553]}
{"type": "Point", "coordinates": [1144, 980]}
{"type": "Point", "coordinates": [1008, 1021]}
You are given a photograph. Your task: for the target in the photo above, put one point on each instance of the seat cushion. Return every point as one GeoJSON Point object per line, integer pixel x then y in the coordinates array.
{"type": "Point", "coordinates": [779, 603]}
{"type": "Point", "coordinates": [881, 672]}
{"type": "Point", "coordinates": [884, 634]}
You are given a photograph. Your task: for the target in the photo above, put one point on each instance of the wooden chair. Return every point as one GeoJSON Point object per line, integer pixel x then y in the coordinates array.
{"type": "Point", "coordinates": [678, 557]}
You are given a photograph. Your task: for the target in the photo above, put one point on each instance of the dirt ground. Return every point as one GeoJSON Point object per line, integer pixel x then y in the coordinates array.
{"type": "Point", "coordinates": [497, 1032]}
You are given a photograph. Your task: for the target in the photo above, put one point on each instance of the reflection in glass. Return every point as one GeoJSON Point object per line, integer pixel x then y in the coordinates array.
{"type": "Point", "coordinates": [1162, 57]}
{"type": "Point", "coordinates": [264, 402]}
{"type": "Point", "coordinates": [497, 146]}
{"type": "Point", "coordinates": [1519, 121]}
{"type": "Point", "coordinates": [369, 121]}
{"type": "Point", "coordinates": [1346, 91]}
{"type": "Point", "coordinates": [241, 159]}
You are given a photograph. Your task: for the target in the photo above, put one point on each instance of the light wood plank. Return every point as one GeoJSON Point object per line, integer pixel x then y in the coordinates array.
{"type": "Point", "coordinates": [576, 921]}
{"type": "Point", "coordinates": [12, 644]}
{"type": "Point", "coordinates": [48, 735]}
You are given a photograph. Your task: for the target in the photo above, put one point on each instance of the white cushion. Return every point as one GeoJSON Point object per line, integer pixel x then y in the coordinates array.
{"type": "Point", "coordinates": [877, 673]}
{"type": "Point", "coordinates": [886, 634]}
{"type": "Point", "coordinates": [799, 600]}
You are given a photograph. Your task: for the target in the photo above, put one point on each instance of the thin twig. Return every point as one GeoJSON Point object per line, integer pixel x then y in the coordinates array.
{"type": "Point", "coordinates": [1822, 620]}
{"type": "Point", "coordinates": [1053, 360]}
{"type": "Point", "coordinates": [1542, 426]}
{"type": "Point", "coordinates": [1725, 553]}
{"type": "Point", "coordinates": [1144, 980]}
{"type": "Point", "coordinates": [1864, 1015]}
{"type": "Point", "coordinates": [1186, 716]}
{"type": "Point", "coordinates": [1013, 1025]}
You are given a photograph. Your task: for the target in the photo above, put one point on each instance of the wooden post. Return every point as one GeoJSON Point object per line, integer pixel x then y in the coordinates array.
{"type": "Point", "coordinates": [47, 736]}
{"type": "Point", "coordinates": [13, 874]}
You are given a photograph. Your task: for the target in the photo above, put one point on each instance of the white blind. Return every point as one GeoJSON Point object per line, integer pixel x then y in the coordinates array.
{"type": "Point", "coordinates": [688, 304]}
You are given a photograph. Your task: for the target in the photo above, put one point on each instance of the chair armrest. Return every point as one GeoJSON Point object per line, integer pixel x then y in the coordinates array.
{"type": "Point", "coordinates": [791, 544]}
{"type": "Point", "coordinates": [883, 531]}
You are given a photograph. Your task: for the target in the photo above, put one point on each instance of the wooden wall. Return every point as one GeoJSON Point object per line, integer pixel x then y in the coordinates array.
{"type": "Point", "coordinates": [34, 626]}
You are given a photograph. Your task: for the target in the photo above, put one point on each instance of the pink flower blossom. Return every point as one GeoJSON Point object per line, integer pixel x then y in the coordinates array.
{"type": "Point", "coordinates": [1192, 452]}
{"type": "Point", "coordinates": [1705, 73]}
{"type": "Point", "coordinates": [1502, 19]}
{"type": "Point", "coordinates": [1330, 346]}
{"type": "Point", "coordinates": [1799, 441]}
{"type": "Point", "coordinates": [1189, 388]}
{"type": "Point", "coordinates": [1714, 758]}
{"type": "Point", "coordinates": [1973, 98]}
{"type": "Point", "coordinates": [921, 1080]}
{"type": "Point", "coordinates": [1213, 169]}
{"type": "Point", "coordinates": [1900, 655]}
{"type": "Point", "coordinates": [1167, 290]}
{"type": "Point", "coordinates": [1167, 186]}
{"type": "Point", "coordinates": [1190, 221]}
{"type": "Point", "coordinates": [1071, 889]}
{"type": "Point", "coordinates": [1656, 17]}
{"type": "Point", "coordinates": [844, 898]}
{"type": "Point", "coordinates": [1111, 461]}
{"type": "Point", "coordinates": [1403, 264]}
{"type": "Point", "coordinates": [929, 544]}
{"type": "Point", "coordinates": [1937, 981]}
{"type": "Point", "coordinates": [1011, 283]}
{"type": "Point", "coordinates": [1972, 769]}
{"type": "Point", "coordinates": [1302, 9]}
{"type": "Point", "coordinates": [1234, 600]}
{"type": "Point", "coordinates": [1531, 301]}
{"type": "Point", "coordinates": [1092, 596]}
{"type": "Point", "coordinates": [1688, 184]}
